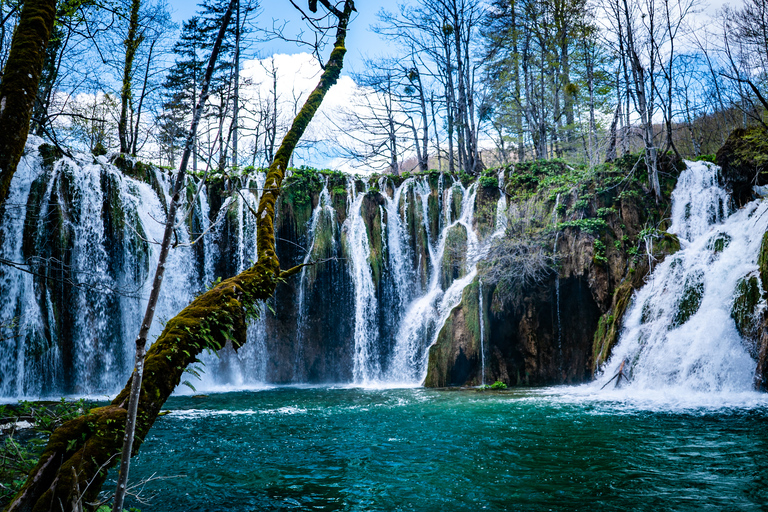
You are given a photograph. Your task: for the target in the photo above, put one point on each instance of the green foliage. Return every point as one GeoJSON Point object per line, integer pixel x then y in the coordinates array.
{"type": "Point", "coordinates": [599, 256]}
{"type": "Point", "coordinates": [592, 226]}
{"type": "Point", "coordinates": [300, 185]}
{"type": "Point", "coordinates": [705, 158]}
{"type": "Point", "coordinates": [489, 181]}
{"type": "Point", "coordinates": [606, 212]}
{"type": "Point", "coordinates": [496, 385]}
{"type": "Point", "coordinates": [19, 453]}
{"type": "Point", "coordinates": [582, 205]}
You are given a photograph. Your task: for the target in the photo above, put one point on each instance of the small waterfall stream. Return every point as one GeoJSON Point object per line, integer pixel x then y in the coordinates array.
{"type": "Point", "coordinates": [679, 333]}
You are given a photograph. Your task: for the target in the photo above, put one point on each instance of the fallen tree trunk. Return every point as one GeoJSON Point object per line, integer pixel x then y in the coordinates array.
{"type": "Point", "coordinates": [74, 465]}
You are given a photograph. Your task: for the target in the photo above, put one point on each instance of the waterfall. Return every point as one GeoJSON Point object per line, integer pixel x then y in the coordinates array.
{"type": "Point", "coordinates": [426, 314]}
{"type": "Point", "coordinates": [679, 333]}
{"type": "Point", "coordinates": [245, 368]}
{"type": "Point", "coordinates": [399, 251]}
{"type": "Point", "coordinates": [501, 208]}
{"type": "Point", "coordinates": [557, 282]}
{"type": "Point", "coordinates": [366, 367]}
{"type": "Point", "coordinates": [20, 313]}
{"type": "Point", "coordinates": [322, 213]}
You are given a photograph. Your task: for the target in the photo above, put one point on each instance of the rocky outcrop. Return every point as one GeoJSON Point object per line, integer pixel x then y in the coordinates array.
{"type": "Point", "coordinates": [560, 328]}
{"type": "Point", "coordinates": [744, 162]}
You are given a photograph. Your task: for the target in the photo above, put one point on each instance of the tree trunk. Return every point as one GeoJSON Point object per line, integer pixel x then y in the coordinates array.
{"type": "Point", "coordinates": [131, 45]}
{"type": "Point", "coordinates": [80, 451]}
{"type": "Point", "coordinates": [236, 113]}
{"type": "Point", "coordinates": [18, 89]}
{"type": "Point", "coordinates": [141, 339]}
{"type": "Point", "coordinates": [135, 141]}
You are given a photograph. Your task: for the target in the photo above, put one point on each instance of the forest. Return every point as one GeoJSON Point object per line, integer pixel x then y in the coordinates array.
{"type": "Point", "coordinates": [424, 255]}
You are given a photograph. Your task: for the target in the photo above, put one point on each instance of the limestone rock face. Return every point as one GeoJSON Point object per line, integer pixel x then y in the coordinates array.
{"type": "Point", "coordinates": [562, 327]}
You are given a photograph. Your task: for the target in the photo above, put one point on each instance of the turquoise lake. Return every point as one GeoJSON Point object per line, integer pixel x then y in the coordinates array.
{"type": "Point", "coordinates": [434, 450]}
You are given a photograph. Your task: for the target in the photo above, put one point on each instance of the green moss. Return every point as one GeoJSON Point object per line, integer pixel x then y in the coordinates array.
{"type": "Point", "coordinates": [690, 300]}
{"type": "Point", "coordinates": [486, 202]}
{"type": "Point", "coordinates": [762, 261]}
{"type": "Point", "coordinates": [719, 242]}
{"type": "Point", "coordinates": [456, 198]}
{"type": "Point", "coordinates": [747, 297]}
{"type": "Point", "coordinates": [454, 261]}
{"type": "Point", "coordinates": [19, 87]}
{"type": "Point", "coordinates": [610, 324]}
{"type": "Point", "coordinates": [669, 244]}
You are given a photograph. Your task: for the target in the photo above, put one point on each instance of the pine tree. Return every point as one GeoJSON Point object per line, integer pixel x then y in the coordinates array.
{"type": "Point", "coordinates": [181, 89]}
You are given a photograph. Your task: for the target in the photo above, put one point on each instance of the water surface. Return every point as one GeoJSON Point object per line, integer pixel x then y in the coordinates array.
{"type": "Point", "coordinates": [418, 449]}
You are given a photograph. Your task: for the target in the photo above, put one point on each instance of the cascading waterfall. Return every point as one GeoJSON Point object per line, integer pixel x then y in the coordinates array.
{"type": "Point", "coordinates": [402, 256]}
{"type": "Point", "coordinates": [247, 367]}
{"type": "Point", "coordinates": [20, 312]}
{"type": "Point", "coordinates": [366, 367]}
{"type": "Point", "coordinates": [424, 316]}
{"type": "Point", "coordinates": [679, 333]}
{"type": "Point", "coordinates": [75, 327]}
{"type": "Point", "coordinates": [323, 213]}
{"type": "Point", "coordinates": [397, 245]}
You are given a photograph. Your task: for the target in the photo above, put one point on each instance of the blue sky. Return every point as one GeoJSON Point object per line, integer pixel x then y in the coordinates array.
{"type": "Point", "coordinates": [360, 40]}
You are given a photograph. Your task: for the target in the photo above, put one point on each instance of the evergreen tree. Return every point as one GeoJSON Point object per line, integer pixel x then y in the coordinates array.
{"type": "Point", "coordinates": [181, 90]}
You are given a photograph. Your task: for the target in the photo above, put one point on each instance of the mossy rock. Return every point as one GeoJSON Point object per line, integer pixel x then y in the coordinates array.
{"type": "Point", "coordinates": [610, 324]}
{"type": "Point", "coordinates": [486, 202]}
{"type": "Point", "coordinates": [433, 211]}
{"type": "Point", "coordinates": [456, 198]}
{"type": "Point", "coordinates": [371, 211]}
{"type": "Point", "coordinates": [690, 300]}
{"type": "Point", "coordinates": [719, 242]}
{"type": "Point", "coordinates": [454, 359]}
{"type": "Point", "coordinates": [762, 261]}
{"type": "Point", "coordinates": [747, 297]}
{"type": "Point", "coordinates": [454, 261]}
{"type": "Point", "coordinates": [669, 244]}
{"type": "Point", "coordinates": [50, 154]}
{"type": "Point", "coordinates": [744, 161]}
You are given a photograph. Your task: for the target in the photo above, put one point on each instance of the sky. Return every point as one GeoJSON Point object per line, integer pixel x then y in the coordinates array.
{"type": "Point", "coordinates": [361, 41]}
{"type": "Point", "coordinates": [298, 71]}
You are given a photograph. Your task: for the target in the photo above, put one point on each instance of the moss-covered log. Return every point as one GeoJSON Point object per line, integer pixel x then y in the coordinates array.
{"type": "Point", "coordinates": [75, 462]}
{"type": "Point", "coordinates": [20, 81]}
